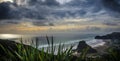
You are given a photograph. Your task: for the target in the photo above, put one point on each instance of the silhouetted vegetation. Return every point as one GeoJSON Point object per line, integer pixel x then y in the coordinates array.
{"type": "Point", "coordinates": [11, 51]}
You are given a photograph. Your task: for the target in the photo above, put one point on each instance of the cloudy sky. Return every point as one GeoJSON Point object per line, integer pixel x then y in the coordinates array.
{"type": "Point", "coordinates": [52, 16]}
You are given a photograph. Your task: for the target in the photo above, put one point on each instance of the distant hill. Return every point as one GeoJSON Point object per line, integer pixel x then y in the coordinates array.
{"type": "Point", "coordinates": [114, 35]}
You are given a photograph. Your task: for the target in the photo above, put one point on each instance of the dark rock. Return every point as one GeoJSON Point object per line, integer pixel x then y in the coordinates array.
{"type": "Point", "coordinates": [114, 35]}
{"type": "Point", "coordinates": [84, 46]}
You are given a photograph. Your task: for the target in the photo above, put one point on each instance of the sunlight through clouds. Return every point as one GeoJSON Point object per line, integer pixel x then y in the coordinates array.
{"type": "Point", "coordinates": [6, 1]}
{"type": "Point", "coordinates": [63, 1]}
{"type": "Point", "coordinates": [9, 36]}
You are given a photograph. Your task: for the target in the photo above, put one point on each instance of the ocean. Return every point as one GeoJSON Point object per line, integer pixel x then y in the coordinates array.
{"type": "Point", "coordinates": [67, 40]}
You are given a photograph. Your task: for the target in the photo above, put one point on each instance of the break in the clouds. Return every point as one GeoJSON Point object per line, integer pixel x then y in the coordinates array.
{"type": "Point", "coordinates": [94, 15]}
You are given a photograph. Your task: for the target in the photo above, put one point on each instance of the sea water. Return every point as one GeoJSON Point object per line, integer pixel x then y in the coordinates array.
{"type": "Point", "coordinates": [67, 40]}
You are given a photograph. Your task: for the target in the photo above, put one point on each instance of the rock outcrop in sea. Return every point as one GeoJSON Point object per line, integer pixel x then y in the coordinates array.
{"type": "Point", "coordinates": [83, 46]}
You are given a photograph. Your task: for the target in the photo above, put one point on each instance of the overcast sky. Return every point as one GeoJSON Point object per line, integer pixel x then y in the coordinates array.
{"type": "Point", "coordinates": [30, 16]}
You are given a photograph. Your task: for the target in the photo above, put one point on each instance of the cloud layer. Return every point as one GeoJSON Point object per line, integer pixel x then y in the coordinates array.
{"type": "Point", "coordinates": [84, 13]}
{"type": "Point", "coordinates": [43, 9]}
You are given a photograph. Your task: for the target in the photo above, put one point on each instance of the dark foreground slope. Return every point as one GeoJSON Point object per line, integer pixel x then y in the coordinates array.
{"type": "Point", "coordinates": [11, 46]}
{"type": "Point", "coordinates": [12, 51]}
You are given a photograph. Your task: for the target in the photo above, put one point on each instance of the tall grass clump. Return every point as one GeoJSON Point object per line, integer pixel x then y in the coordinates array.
{"type": "Point", "coordinates": [28, 53]}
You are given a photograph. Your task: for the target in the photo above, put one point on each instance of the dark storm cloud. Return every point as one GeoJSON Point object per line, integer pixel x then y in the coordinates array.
{"type": "Point", "coordinates": [9, 22]}
{"type": "Point", "coordinates": [36, 10]}
{"type": "Point", "coordinates": [111, 24]}
{"type": "Point", "coordinates": [84, 3]}
{"type": "Point", "coordinates": [92, 8]}
{"type": "Point", "coordinates": [39, 9]}
{"type": "Point", "coordinates": [45, 2]}
{"type": "Point", "coordinates": [40, 13]}
{"type": "Point", "coordinates": [51, 2]}
{"type": "Point", "coordinates": [79, 8]}
{"type": "Point", "coordinates": [69, 13]}
{"type": "Point", "coordinates": [113, 5]}
{"type": "Point", "coordinates": [15, 12]}
{"type": "Point", "coordinates": [4, 10]}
